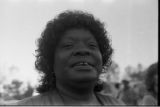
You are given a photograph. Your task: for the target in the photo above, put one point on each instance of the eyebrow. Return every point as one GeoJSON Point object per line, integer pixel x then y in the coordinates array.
{"type": "Point", "coordinates": [74, 39]}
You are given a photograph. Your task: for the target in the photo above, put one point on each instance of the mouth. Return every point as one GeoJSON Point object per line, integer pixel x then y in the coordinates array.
{"type": "Point", "coordinates": [84, 68]}
{"type": "Point", "coordinates": [82, 63]}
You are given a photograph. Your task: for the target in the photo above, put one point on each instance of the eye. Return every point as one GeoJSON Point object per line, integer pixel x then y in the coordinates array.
{"type": "Point", "coordinates": [67, 45]}
{"type": "Point", "coordinates": [93, 45]}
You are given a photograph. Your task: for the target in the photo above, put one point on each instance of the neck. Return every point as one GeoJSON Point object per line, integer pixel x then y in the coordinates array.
{"type": "Point", "coordinates": [79, 95]}
{"type": "Point", "coordinates": [76, 92]}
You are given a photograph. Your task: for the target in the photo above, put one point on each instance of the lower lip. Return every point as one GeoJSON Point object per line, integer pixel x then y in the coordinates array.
{"type": "Point", "coordinates": [83, 68]}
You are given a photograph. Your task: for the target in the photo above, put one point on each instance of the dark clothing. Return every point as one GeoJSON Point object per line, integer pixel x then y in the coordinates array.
{"type": "Point", "coordinates": [53, 98]}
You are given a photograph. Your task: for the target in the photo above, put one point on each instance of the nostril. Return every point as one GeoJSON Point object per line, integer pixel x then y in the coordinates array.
{"type": "Point", "coordinates": [81, 53]}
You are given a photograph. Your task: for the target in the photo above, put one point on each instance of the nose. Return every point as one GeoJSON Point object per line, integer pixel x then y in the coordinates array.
{"type": "Point", "coordinates": [81, 51]}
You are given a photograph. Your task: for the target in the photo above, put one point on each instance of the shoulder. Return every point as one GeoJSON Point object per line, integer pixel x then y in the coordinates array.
{"type": "Point", "coordinates": [30, 100]}
{"type": "Point", "coordinates": [149, 100]}
{"type": "Point", "coordinates": [109, 100]}
{"type": "Point", "coordinates": [47, 98]}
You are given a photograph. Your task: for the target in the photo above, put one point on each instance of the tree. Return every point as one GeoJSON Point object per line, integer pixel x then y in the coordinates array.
{"type": "Point", "coordinates": [14, 91]}
{"type": "Point", "coordinates": [135, 74]}
{"type": "Point", "coordinates": [113, 72]}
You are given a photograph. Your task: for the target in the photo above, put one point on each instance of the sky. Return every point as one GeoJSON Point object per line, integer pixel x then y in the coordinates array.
{"type": "Point", "coordinates": [131, 24]}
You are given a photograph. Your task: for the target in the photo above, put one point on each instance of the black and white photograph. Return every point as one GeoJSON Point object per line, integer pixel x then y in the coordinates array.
{"type": "Point", "coordinates": [79, 53]}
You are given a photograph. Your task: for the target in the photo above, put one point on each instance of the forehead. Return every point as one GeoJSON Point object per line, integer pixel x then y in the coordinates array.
{"type": "Point", "coordinates": [78, 34]}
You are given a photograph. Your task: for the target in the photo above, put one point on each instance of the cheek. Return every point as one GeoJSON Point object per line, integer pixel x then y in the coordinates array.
{"type": "Point", "coordinates": [61, 57]}
{"type": "Point", "coordinates": [60, 62]}
{"type": "Point", "coordinates": [98, 60]}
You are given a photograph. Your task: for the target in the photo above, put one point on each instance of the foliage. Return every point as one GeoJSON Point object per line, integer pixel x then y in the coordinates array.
{"type": "Point", "coordinates": [15, 91]}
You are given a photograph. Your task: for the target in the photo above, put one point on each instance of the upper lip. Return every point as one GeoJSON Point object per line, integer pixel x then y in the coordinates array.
{"type": "Point", "coordinates": [89, 63]}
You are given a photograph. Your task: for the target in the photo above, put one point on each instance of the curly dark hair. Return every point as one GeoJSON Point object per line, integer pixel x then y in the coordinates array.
{"type": "Point", "coordinates": [69, 19]}
{"type": "Point", "coordinates": [149, 79]}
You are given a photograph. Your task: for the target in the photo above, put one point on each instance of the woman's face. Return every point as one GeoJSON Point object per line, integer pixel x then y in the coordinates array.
{"type": "Point", "coordinates": [77, 57]}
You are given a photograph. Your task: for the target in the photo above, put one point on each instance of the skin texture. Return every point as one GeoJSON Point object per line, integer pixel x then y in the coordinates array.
{"type": "Point", "coordinates": [77, 45]}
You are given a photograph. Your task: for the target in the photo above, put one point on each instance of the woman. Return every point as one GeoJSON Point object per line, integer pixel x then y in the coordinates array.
{"type": "Point", "coordinates": [151, 82]}
{"type": "Point", "coordinates": [72, 51]}
{"type": "Point", "coordinates": [127, 94]}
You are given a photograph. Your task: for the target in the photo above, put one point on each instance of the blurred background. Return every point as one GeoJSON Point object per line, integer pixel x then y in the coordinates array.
{"type": "Point", "coordinates": [131, 24]}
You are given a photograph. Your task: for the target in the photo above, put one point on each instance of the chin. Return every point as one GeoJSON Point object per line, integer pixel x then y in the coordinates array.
{"type": "Point", "coordinates": [82, 76]}
{"type": "Point", "coordinates": [85, 79]}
